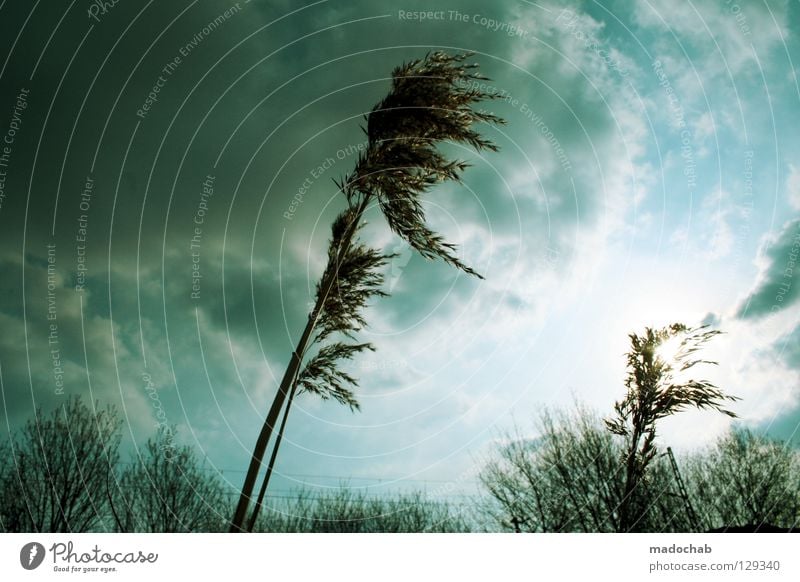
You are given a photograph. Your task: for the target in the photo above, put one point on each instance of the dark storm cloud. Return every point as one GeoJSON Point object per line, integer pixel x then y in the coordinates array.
{"type": "Point", "coordinates": [778, 286]}
{"type": "Point", "coordinates": [132, 229]}
{"type": "Point", "coordinates": [144, 212]}
{"type": "Point", "coordinates": [264, 230]}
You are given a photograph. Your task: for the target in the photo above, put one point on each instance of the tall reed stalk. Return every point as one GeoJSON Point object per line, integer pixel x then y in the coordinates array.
{"type": "Point", "coordinates": [654, 393]}
{"type": "Point", "coordinates": [430, 102]}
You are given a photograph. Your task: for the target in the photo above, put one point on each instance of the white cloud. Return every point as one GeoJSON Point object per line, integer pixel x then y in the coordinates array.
{"type": "Point", "coordinates": [726, 35]}
{"type": "Point", "coordinates": [751, 368]}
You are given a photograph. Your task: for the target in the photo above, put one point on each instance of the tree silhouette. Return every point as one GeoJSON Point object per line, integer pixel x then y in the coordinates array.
{"type": "Point", "coordinates": [746, 480]}
{"type": "Point", "coordinates": [56, 470]}
{"type": "Point", "coordinates": [570, 479]}
{"type": "Point", "coordinates": [653, 394]}
{"type": "Point", "coordinates": [429, 103]}
{"type": "Point", "coordinates": [166, 489]}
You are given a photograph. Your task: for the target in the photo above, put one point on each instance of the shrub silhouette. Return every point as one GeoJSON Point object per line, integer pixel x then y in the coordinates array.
{"type": "Point", "coordinates": [344, 510]}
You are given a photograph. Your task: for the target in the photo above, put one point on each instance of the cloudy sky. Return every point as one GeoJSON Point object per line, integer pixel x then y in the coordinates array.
{"type": "Point", "coordinates": [649, 172]}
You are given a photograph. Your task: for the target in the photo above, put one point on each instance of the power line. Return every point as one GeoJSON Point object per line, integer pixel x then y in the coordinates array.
{"type": "Point", "coordinates": [223, 470]}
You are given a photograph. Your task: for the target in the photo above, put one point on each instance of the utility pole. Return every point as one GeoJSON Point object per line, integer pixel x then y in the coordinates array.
{"type": "Point", "coordinates": [682, 491]}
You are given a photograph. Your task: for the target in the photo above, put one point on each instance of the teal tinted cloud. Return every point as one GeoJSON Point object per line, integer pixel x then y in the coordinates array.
{"type": "Point", "coordinates": [778, 287]}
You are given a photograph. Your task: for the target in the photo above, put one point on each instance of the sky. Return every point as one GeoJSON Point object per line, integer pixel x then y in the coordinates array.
{"type": "Point", "coordinates": [167, 186]}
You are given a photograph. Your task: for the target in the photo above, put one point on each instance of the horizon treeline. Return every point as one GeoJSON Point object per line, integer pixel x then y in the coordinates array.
{"type": "Point", "coordinates": [63, 472]}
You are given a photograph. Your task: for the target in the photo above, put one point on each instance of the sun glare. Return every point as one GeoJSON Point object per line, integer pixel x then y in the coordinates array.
{"type": "Point", "coordinates": [669, 350]}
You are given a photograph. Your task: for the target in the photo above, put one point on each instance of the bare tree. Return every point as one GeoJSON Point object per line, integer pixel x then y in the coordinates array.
{"type": "Point", "coordinates": [570, 479]}
{"type": "Point", "coordinates": [166, 489]}
{"type": "Point", "coordinates": [56, 470]}
{"type": "Point", "coordinates": [746, 481]}
{"type": "Point", "coordinates": [653, 394]}
{"type": "Point", "coordinates": [430, 102]}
